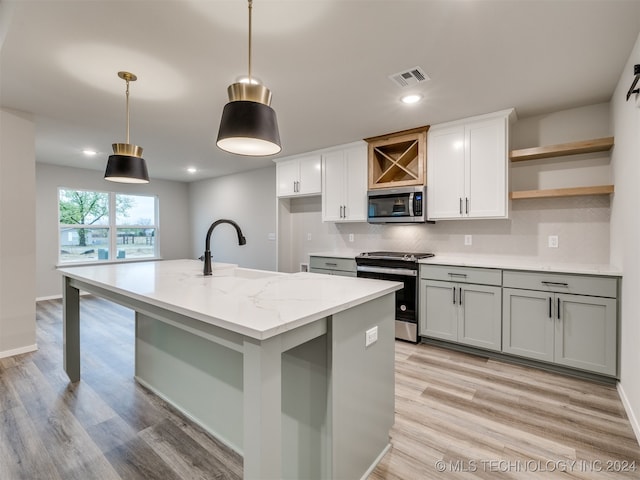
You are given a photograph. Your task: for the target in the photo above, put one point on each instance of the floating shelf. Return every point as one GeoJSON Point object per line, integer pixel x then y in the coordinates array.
{"type": "Point", "coordinates": [563, 149]}
{"type": "Point", "coordinates": [562, 192]}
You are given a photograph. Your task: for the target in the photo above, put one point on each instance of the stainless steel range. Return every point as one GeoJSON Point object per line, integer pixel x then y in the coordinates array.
{"type": "Point", "coordinates": [398, 267]}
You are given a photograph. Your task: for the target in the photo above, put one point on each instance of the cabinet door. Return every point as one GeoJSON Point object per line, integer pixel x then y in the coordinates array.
{"type": "Point", "coordinates": [586, 333]}
{"type": "Point", "coordinates": [287, 174]}
{"type": "Point", "coordinates": [310, 175]}
{"type": "Point", "coordinates": [355, 194]}
{"type": "Point", "coordinates": [438, 310]}
{"type": "Point", "coordinates": [332, 186]}
{"type": "Point", "coordinates": [528, 323]}
{"type": "Point", "coordinates": [445, 173]}
{"type": "Point", "coordinates": [480, 316]}
{"type": "Point", "coordinates": [486, 169]}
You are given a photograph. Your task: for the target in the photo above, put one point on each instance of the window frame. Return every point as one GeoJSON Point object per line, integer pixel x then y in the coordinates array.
{"type": "Point", "coordinates": [112, 228]}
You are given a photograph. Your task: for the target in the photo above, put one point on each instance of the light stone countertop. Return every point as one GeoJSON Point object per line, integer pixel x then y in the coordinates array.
{"type": "Point", "coordinates": [350, 254]}
{"type": "Point", "coordinates": [505, 262]}
{"type": "Point", "coordinates": [520, 263]}
{"type": "Point", "coordinates": [256, 303]}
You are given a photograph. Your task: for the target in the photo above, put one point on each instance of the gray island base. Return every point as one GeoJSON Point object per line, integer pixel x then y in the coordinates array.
{"type": "Point", "coordinates": [274, 365]}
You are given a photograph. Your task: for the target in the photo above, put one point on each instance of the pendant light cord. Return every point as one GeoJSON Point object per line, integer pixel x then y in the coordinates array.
{"type": "Point", "coordinates": [250, 9]}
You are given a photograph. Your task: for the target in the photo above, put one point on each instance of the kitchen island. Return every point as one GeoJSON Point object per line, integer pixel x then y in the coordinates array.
{"type": "Point", "coordinates": [275, 365]}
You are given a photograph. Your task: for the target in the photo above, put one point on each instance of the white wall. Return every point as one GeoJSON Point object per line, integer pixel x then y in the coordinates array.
{"type": "Point", "coordinates": [18, 233]}
{"type": "Point", "coordinates": [582, 223]}
{"type": "Point", "coordinates": [247, 198]}
{"type": "Point", "coordinates": [174, 233]}
{"type": "Point", "coordinates": [625, 231]}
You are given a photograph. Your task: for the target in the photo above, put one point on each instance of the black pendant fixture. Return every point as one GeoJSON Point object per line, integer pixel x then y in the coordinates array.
{"type": "Point", "coordinates": [126, 165]}
{"type": "Point", "coordinates": [249, 125]}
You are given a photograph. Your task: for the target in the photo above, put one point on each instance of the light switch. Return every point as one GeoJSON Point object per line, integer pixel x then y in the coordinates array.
{"type": "Point", "coordinates": [468, 240]}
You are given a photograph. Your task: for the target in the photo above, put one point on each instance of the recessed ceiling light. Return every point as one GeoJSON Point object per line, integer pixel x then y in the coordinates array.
{"type": "Point", "coordinates": [89, 153]}
{"type": "Point", "coordinates": [192, 170]}
{"type": "Point", "coordinates": [413, 98]}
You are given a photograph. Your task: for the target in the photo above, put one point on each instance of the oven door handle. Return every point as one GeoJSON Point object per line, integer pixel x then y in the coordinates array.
{"type": "Point", "coordinates": [390, 271]}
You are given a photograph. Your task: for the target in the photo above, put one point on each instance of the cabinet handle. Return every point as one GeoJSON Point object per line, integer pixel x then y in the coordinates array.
{"type": "Point", "coordinates": [451, 274]}
{"type": "Point", "coordinates": [454, 295]}
{"type": "Point", "coordinates": [466, 201]}
{"type": "Point", "coordinates": [558, 312]}
{"type": "Point", "coordinates": [341, 211]}
{"type": "Point", "coordinates": [460, 205]}
{"type": "Point", "coordinates": [330, 264]}
{"type": "Point", "coordinates": [460, 295]}
{"type": "Point", "coordinates": [550, 304]}
{"type": "Point", "coordinates": [344, 211]}
{"type": "Point", "coordinates": [556, 284]}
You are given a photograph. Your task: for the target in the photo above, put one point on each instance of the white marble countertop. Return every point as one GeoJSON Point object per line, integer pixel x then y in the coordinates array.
{"type": "Point", "coordinates": [350, 254]}
{"type": "Point", "coordinates": [521, 263]}
{"type": "Point", "coordinates": [506, 262]}
{"type": "Point", "coordinates": [255, 303]}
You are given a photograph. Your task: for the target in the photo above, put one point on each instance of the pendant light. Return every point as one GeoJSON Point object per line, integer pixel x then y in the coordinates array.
{"type": "Point", "coordinates": [126, 165]}
{"type": "Point", "coordinates": [249, 125]}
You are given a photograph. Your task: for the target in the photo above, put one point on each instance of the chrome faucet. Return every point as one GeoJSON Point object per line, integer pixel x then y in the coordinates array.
{"type": "Point", "coordinates": [207, 243]}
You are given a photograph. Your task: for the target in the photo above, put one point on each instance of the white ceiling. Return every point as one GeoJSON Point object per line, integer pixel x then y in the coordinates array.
{"type": "Point", "coordinates": [327, 63]}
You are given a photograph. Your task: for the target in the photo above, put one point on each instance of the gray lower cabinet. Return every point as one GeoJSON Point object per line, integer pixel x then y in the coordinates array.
{"type": "Point", "coordinates": [345, 267]}
{"type": "Point", "coordinates": [461, 312]}
{"type": "Point", "coordinates": [576, 329]}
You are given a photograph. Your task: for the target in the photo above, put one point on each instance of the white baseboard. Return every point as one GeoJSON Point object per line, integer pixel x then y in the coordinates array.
{"type": "Point", "coordinates": [50, 297]}
{"type": "Point", "coordinates": [57, 297]}
{"type": "Point", "coordinates": [633, 420]}
{"type": "Point", "coordinates": [18, 351]}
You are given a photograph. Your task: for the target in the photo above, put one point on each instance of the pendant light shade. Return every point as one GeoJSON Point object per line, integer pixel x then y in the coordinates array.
{"type": "Point", "coordinates": [126, 165]}
{"type": "Point", "coordinates": [249, 125]}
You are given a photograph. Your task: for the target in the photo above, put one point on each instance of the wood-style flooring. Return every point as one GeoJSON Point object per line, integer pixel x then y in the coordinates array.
{"type": "Point", "coordinates": [457, 416]}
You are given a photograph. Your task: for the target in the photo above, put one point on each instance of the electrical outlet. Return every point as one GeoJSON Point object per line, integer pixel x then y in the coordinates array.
{"type": "Point", "coordinates": [468, 240]}
{"type": "Point", "coordinates": [553, 241]}
{"type": "Point", "coordinates": [304, 267]}
{"type": "Point", "coordinates": [308, 236]}
{"type": "Point", "coordinates": [351, 237]}
{"type": "Point", "coordinates": [271, 236]}
{"type": "Point", "coordinates": [371, 336]}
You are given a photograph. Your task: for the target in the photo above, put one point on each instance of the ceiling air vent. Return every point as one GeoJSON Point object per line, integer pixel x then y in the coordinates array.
{"type": "Point", "coordinates": [410, 77]}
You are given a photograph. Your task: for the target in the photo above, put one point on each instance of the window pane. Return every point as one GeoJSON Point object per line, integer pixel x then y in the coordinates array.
{"type": "Point", "coordinates": [78, 207]}
{"type": "Point", "coordinates": [84, 244]}
{"type": "Point", "coordinates": [136, 242]}
{"type": "Point", "coordinates": [135, 210]}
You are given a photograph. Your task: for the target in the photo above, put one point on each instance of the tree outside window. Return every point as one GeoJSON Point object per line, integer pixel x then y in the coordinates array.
{"type": "Point", "coordinates": [90, 226]}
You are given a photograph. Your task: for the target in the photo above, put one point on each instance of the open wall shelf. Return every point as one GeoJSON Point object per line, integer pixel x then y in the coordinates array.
{"type": "Point", "coordinates": [563, 149]}
{"type": "Point", "coordinates": [562, 192]}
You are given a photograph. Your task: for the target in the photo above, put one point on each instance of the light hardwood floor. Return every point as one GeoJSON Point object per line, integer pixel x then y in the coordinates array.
{"type": "Point", "coordinates": [457, 416]}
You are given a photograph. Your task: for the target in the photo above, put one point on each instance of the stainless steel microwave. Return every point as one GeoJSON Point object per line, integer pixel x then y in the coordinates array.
{"type": "Point", "coordinates": [397, 205]}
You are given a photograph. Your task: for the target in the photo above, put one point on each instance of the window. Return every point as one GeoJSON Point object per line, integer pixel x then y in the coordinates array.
{"type": "Point", "coordinates": [103, 226]}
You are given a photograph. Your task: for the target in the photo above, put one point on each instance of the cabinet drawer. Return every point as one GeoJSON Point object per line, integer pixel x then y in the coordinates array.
{"type": "Point", "coordinates": [484, 276]}
{"type": "Point", "coordinates": [340, 273]}
{"type": "Point", "coordinates": [333, 263]}
{"type": "Point", "coordinates": [562, 283]}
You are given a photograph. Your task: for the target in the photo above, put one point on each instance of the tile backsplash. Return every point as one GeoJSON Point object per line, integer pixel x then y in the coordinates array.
{"type": "Point", "coordinates": [580, 223]}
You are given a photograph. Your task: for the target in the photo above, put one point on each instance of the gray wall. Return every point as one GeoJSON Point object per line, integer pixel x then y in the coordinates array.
{"type": "Point", "coordinates": [625, 232]}
{"type": "Point", "coordinates": [582, 223]}
{"type": "Point", "coordinates": [249, 200]}
{"type": "Point", "coordinates": [18, 233]}
{"type": "Point", "coordinates": [174, 233]}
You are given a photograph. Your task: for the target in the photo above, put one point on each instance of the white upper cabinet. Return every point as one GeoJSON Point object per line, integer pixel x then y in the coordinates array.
{"type": "Point", "coordinates": [467, 168]}
{"type": "Point", "coordinates": [344, 185]}
{"type": "Point", "coordinates": [299, 176]}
